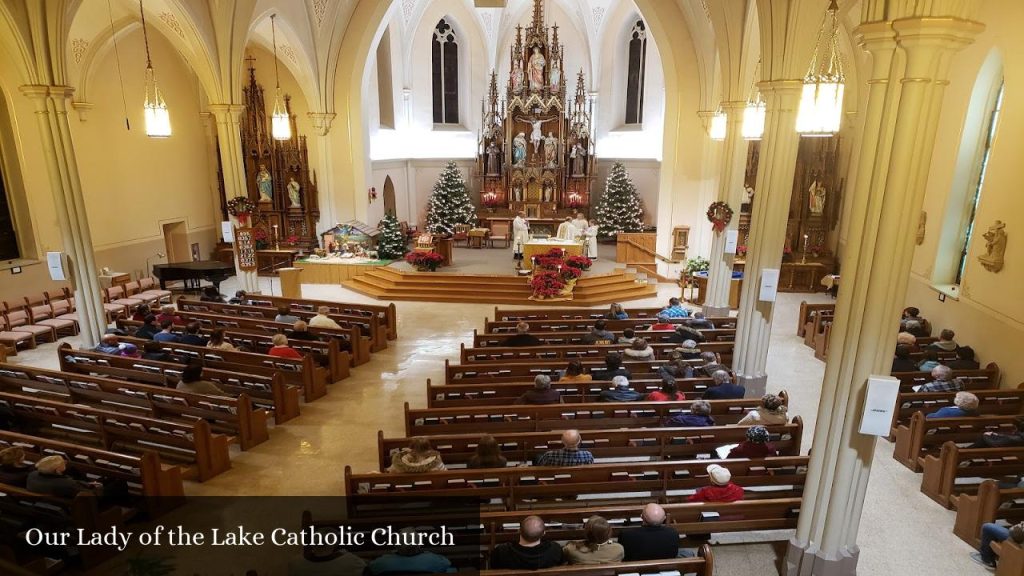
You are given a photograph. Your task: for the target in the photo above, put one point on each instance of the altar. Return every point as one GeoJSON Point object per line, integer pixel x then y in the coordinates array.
{"type": "Point", "coordinates": [335, 269]}
{"type": "Point", "coordinates": [538, 246]}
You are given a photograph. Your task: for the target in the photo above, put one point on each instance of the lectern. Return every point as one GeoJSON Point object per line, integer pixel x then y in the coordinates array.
{"type": "Point", "coordinates": [291, 282]}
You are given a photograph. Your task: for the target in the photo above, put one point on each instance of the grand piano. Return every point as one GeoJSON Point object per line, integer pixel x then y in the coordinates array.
{"type": "Point", "coordinates": [192, 273]}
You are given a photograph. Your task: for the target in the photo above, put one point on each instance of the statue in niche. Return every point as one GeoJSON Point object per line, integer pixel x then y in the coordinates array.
{"type": "Point", "coordinates": [576, 159]}
{"type": "Point", "coordinates": [537, 135]}
{"type": "Point", "coordinates": [995, 247]}
{"type": "Point", "coordinates": [293, 194]}
{"type": "Point", "coordinates": [537, 63]}
{"type": "Point", "coordinates": [493, 166]}
{"type": "Point", "coordinates": [555, 75]}
{"type": "Point", "coordinates": [265, 184]}
{"type": "Point", "coordinates": [549, 190]}
{"type": "Point", "coordinates": [517, 78]}
{"type": "Point", "coordinates": [519, 149]}
{"type": "Point", "coordinates": [551, 150]}
{"type": "Point", "coordinates": [816, 198]}
{"type": "Point", "coordinates": [517, 191]}
{"type": "Point", "coordinates": [922, 226]}
{"type": "Point", "coordinates": [749, 191]}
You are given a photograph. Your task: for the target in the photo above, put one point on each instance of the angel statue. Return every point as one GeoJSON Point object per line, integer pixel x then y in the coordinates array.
{"type": "Point", "coordinates": [265, 184]}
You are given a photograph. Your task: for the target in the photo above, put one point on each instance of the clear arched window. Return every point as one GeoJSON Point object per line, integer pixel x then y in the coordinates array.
{"type": "Point", "coordinates": [637, 73]}
{"type": "Point", "coordinates": [445, 60]}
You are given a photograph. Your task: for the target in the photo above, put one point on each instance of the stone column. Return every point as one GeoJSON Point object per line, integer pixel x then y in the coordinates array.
{"type": "Point", "coordinates": [896, 149]}
{"type": "Point", "coordinates": [210, 131]}
{"type": "Point", "coordinates": [730, 191]}
{"type": "Point", "coordinates": [232, 167]}
{"type": "Point", "coordinates": [325, 177]}
{"type": "Point", "coordinates": [51, 107]}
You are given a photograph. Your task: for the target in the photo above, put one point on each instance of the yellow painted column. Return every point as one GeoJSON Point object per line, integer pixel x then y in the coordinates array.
{"type": "Point", "coordinates": [229, 138]}
{"type": "Point", "coordinates": [325, 177]}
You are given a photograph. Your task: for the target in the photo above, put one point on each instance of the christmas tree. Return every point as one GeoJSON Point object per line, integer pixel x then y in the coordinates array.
{"type": "Point", "coordinates": [620, 209]}
{"type": "Point", "coordinates": [391, 245]}
{"type": "Point", "coordinates": [449, 203]}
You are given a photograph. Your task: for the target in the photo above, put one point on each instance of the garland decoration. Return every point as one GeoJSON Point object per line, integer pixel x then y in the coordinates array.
{"type": "Point", "coordinates": [719, 214]}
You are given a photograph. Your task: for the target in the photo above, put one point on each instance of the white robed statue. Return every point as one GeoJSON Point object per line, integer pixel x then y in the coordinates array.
{"type": "Point", "coordinates": [566, 230]}
{"type": "Point", "coordinates": [520, 234]}
{"type": "Point", "coordinates": [536, 69]}
{"type": "Point", "coordinates": [590, 240]}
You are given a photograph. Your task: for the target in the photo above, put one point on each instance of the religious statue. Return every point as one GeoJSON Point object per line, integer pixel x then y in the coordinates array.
{"type": "Point", "coordinates": [816, 198]}
{"type": "Point", "coordinates": [265, 185]}
{"type": "Point", "coordinates": [574, 156]}
{"type": "Point", "coordinates": [537, 63]}
{"type": "Point", "coordinates": [519, 149]}
{"type": "Point", "coordinates": [922, 227]}
{"type": "Point", "coordinates": [551, 150]}
{"type": "Point", "coordinates": [749, 191]}
{"type": "Point", "coordinates": [995, 247]}
{"type": "Point", "coordinates": [517, 78]}
{"type": "Point", "coordinates": [493, 166]}
{"type": "Point", "coordinates": [549, 190]}
{"type": "Point", "coordinates": [293, 194]}
{"type": "Point", "coordinates": [536, 135]}
{"type": "Point", "coordinates": [555, 75]}
{"type": "Point", "coordinates": [517, 191]}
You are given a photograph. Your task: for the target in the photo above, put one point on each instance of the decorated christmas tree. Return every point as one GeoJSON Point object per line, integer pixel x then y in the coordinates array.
{"type": "Point", "coordinates": [391, 244]}
{"type": "Point", "coordinates": [620, 209]}
{"type": "Point", "coordinates": [449, 203]}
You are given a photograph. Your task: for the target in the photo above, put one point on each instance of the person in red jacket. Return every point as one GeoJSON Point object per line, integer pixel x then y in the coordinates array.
{"type": "Point", "coordinates": [281, 349]}
{"type": "Point", "coordinates": [721, 490]}
{"type": "Point", "coordinates": [756, 445]}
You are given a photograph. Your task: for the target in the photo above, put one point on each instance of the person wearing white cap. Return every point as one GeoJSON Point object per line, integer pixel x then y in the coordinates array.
{"type": "Point", "coordinates": [621, 393]}
{"type": "Point", "coordinates": [722, 488]}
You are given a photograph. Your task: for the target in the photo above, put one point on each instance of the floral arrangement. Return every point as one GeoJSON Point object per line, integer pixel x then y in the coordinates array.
{"type": "Point", "coordinates": [550, 260]}
{"type": "Point", "coordinates": [581, 263]}
{"type": "Point", "coordinates": [293, 239]}
{"type": "Point", "coordinates": [259, 235]}
{"type": "Point", "coordinates": [568, 273]}
{"type": "Point", "coordinates": [240, 207]}
{"type": "Point", "coordinates": [719, 214]}
{"type": "Point", "coordinates": [741, 250]}
{"type": "Point", "coordinates": [816, 250]}
{"type": "Point", "coordinates": [424, 260]}
{"type": "Point", "coordinates": [547, 284]}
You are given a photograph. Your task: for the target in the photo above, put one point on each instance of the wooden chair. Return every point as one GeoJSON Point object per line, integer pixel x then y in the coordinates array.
{"type": "Point", "coordinates": [18, 320]}
{"type": "Point", "coordinates": [501, 232]}
{"type": "Point", "coordinates": [425, 243]}
{"type": "Point", "coordinates": [149, 286]}
{"type": "Point", "coordinates": [43, 315]}
{"type": "Point", "coordinates": [13, 339]}
{"type": "Point", "coordinates": [461, 234]}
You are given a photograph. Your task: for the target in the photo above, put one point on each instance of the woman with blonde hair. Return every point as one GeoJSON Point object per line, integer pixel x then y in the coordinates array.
{"type": "Point", "coordinates": [772, 411]}
{"type": "Point", "coordinates": [596, 547]}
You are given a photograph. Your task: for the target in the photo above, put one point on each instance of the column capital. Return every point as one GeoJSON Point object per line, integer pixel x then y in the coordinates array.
{"type": "Point", "coordinates": [83, 109]}
{"type": "Point", "coordinates": [781, 87]}
{"type": "Point", "coordinates": [322, 121]}
{"type": "Point", "coordinates": [227, 112]}
{"type": "Point", "coordinates": [705, 117]}
{"type": "Point", "coordinates": [938, 33]}
{"type": "Point", "coordinates": [733, 105]}
{"type": "Point", "coordinates": [875, 36]}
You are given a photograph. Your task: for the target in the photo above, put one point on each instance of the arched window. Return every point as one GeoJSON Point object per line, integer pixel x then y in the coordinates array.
{"type": "Point", "coordinates": [445, 59]}
{"type": "Point", "coordinates": [637, 72]}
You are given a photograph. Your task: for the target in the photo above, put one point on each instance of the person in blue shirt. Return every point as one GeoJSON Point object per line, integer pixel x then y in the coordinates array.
{"type": "Point", "coordinates": [621, 393]}
{"type": "Point", "coordinates": [409, 558]}
{"type": "Point", "coordinates": [675, 309]}
{"type": "Point", "coordinates": [964, 405]}
{"type": "Point", "coordinates": [165, 334]}
{"type": "Point", "coordinates": [109, 344]}
{"type": "Point", "coordinates": [615, 312]}
{"type": "Point", "coordinates": [723, 389]}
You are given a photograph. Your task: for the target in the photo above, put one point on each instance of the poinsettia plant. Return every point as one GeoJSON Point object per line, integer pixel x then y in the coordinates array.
{"type": "Point", "coordinates": [425, 260]}
{"type": "Point", "coordinates": [581, 263]}
{"type": "Point", "coordinates": [259, 235]}
{"type": "Point", "coordinates": [546, 284]}
{"type": "Point", "coordinates": [568, 273]}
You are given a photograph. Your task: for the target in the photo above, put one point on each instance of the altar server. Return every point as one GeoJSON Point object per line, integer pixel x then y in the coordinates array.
{"type": "Point", "coordinates": [590, 239]}
{"type": "Point", "coordinates": [520, 235]}
{"type": "Point", "coordinates": [567, 231]}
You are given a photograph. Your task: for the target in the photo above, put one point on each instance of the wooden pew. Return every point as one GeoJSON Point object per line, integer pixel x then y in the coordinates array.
{"type": "Point", "coordinates": [234, 416]}
{"type": "Point", "coordinates": [452, 395]}
{"type": "Point", "coordinates": [589, 314]}
{"type": "Point", "coordinates": [807, 314]}
{"type": "Point", "coordinates": [338, 361]}
{"type": "Point", "coordinates": [522, 371]}
{"type": "Point", "coordinates": [651, 443]}
{"type": "Point", "coordinates": [945, 476]}
{"type": "Point", "coordinates": [583, 416]}
{"type": "Point", "coordinates": [989, 504]}
{"type": "Point", "coordinates": [922, 436]}
{"type": "Point", "coordinates": [1011, 558]}
{"type": "Point", "coordinates": [991, 402]}
{"type": "Point", "coordinates": [577, 352]}
{"type": "Point", "coordinates": [561, 338]}
{"type": "Point", "coordinates": [985, 378]}
{"type": "Point", "coordinates": [385, 315]}
{"type": "Point", "coordinates": [205, 453]}
{"type": "Point", "coordinates": [267, 392]}
{"type": "Point", "coordinates": [160, 485]}
{"type": "Point", "coordinates": [366, 324]}
{"type": "Point", "coordinates": [508, 327]}
{"type": "Point", "coordinates": [701, 565]}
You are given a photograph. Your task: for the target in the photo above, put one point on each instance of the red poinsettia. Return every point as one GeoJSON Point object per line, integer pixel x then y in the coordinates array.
{"type": "Point", "coordinates": [581, 263]}
{"type": "Point", "coordinates": [568, 273]}
{"type": "Point", "coordinates": [427, 260]}
{"type": "Point", "coordinates": [555, 253]}
{"type": "Point", "coordinates": [548, 262]}
{"type": "Point", "coordinates": [546, 284]}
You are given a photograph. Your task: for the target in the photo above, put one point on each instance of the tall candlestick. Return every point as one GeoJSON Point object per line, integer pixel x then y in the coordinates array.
{"type": "Point", "coordinates": [804, 259]}
{"type": "Point", "coordinates": [277, 238]}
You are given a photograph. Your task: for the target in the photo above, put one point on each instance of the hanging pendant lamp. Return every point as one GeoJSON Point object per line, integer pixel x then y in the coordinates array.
{"type": "Point", "coordinates": [754, 113]}
{"type": "Point", "coordinates": [157, 118]}
{"type": "Point", "coordinates": [280, 121]}
{"type": "Point", "coordinates": [717, 127]}
{"type": "Point", "coordinates": [821, 104]}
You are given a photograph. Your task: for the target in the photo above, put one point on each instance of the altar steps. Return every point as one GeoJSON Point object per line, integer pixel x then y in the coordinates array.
{"type": "Point", "coordinates": [391, 284]}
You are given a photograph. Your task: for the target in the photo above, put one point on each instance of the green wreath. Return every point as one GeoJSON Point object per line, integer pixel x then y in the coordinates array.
{"type": "Point", "coordinates": [719, 214]}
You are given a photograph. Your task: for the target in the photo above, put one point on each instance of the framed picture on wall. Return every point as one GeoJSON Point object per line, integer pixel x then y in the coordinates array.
{"type": "Point", "coordinates": [196, 254]}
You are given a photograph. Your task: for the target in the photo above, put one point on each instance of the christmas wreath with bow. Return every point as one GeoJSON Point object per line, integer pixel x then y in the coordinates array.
{"type": "Point", "coordinates": [241, 207]}
{"type": "Point", "coordinates": [719, 214]}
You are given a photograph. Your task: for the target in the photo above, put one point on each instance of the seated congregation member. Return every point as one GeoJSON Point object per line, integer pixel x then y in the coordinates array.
{"type": "Point", "coordinates": [700, 322]}
{"type": "Point", "coordinates": [569, 454]}
{"type": "Point", "coordinates": [165, 334]}
{"type": "Point", "coordinates": [722, 488]}
{"type": "Point", "coordinates": [723, 388]}
{"type": "Point", "coordinates": [639, 350]}
{"type": "Point", "coordinates": [712, 363]}
{"type": "Point", "coordinates": [991, 532]}
{"type": "Point", "coordinates": [902, 362]}
{"type": "Point", "coordinates": [664, 323]}
{"type": "Point", "coordinates": [541, 392]}
{"type": "Point", "coordinates": [689, 350]}
{"type": "Point", "coordinates": [945, 342]}
{"type": "Point", "coordinates": [699, 416]}
{"type": "Point", "coordinates": [907, 339]}
{"type": "Point", "coordinates": [913, 323]}
{"type": "Point", "coordinates": [997, 440]}
{"type": "Point", "coordinates": [964, 405]}
{"type": "Point", "coordinates": [669, 391]}
{"type": "Point", "coordinates": [628, 336]}
{"type": "Point", "coordinates": [616, 312]}
{"type": "Point", "coordinates": [772, 411]}
{"type": "Point", "coordinates": [218, 340]}
{"type": "Point", "coordinates": [598, 334]}
{"type": "Point", "coordinates": [14, 470]}
{"type": "Point", "coordinates": [240, 297]}
{"type": "Point", "coordinates": [596, 547]}
{"type": "Point", "coordinates": [757, 445]}
{"type": "Point", "coordinates": [931, 360]}
{"type": "Point", "coordinates": [683, 332]}
{"type": "Point", "coordinates": [612, 368]}
{"type": "Point", "coordinates": [964, 359]}
{"type": "Point", "coordinates": [128, 350]}
{"type": "Point", "coordinates": [675, 309]}
{"type": "Point", "coordinates": [325, 560]}
{"type": "Point", "coordinates": [281, 349]}
{"type": "Point", "coordinates": [574, 373]}
{"type": "Point", "coordinates": [487, 454]}
{"type": "Point", "coordinates": [192, 381]}
{"type": "Point", "coordinates": [153, 351]}
{"type": "Point", "coordinates": [322, 320]}
{"type": "Point", "coordinates": [652, 540]}
{"type": "Point", "coordinates": [49, 478]}
{"type": "Point", "coordinates": [530, 552]}
{"type": "Point", "coordinates": [140, 312]}
{"type": "Point", "coordinates": [676, 367]}
{"type": "Point", "coordinates": [942, 381]}
{"type": "Point", "coordinates": [192, 337]}
{"type": "Point", "coordinates": [621, 393]}
{"type": "Point", "coordinates": [409, 559]}
{"type": "Point", "coordinates": [418, 457]}
{"type": "Point", "coordinates": [148, 329]}
{"type": "Point", "coordinates": [109, 344]}
{"type": "Point", "coordinates": [284, 314]}
{"type": "Point", "coordinates": [211, 294]}
{"type": "Point", "coordinates": [300, 331]}
{"type": "Point", "coordinates": [168, 312]}
{"type": "Point", "coordinates": [522, 337]}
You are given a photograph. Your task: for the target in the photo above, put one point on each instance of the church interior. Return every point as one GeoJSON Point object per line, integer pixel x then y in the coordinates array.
{"type": "Point", "coordinates": [743, 269]}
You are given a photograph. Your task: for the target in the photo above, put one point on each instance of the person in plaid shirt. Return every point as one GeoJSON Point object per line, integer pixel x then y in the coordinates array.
{"type": "Point", "coordinates": [569, 454]}
{"type": "Point", "coordinates": [942, 381]}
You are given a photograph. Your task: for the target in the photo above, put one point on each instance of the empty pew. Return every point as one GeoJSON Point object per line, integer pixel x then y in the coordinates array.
{"type": "Point", "coordinates": [452, 395]}
{"type": "Point", "coordinates": [650, 443]}
{"type": "Point", "coordinates": [234, 416]}
{"type": "Point", "coordinates": [921, 436]}
{"type": "Point", "coordinates": [957, 470]}
{"type": "Point", "coordinates": [807, 314]}
{"type": "Point", "coordinates": [576, 352]}
{"type": "Point", "coordinates": [204, 453]}
{"type": "Point", "coordinates": [385, 315]}
{"type": "Point", "coordinates": [989, 505]}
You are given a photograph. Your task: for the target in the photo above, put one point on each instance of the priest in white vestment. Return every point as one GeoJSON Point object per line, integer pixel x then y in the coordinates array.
{"type": "Point", "coordinates": [520, 235]}
{"type": "Point", "coordinates": [567, 231]}
{"type": "Point", "coordinates": [580, 223]}
{"type": "Point", "coordinates": [590, 240]}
